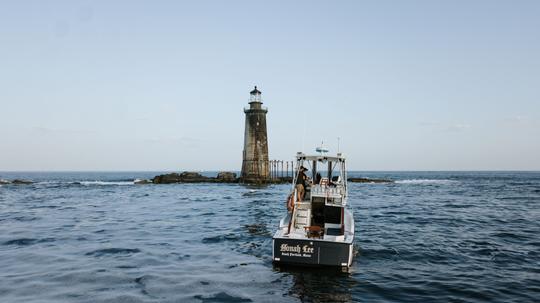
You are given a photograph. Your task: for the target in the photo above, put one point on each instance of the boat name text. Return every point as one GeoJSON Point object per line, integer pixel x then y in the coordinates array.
{"type": "Point", "coordinates": [297, 248]}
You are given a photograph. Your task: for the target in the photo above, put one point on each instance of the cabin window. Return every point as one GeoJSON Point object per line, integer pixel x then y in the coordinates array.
{"type": "Point", "coordinates": [332, 215]}
{"type": "Point", "coordinates": [335, 200]}
{"type": "Point", "coordinates": [318, 199]}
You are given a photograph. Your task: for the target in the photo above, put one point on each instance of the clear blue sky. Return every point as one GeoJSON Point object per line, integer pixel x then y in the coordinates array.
{"type": "Point", "coordinates": [161, 85]}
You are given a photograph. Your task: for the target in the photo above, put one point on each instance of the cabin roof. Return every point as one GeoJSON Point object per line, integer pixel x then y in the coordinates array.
{"type": "Point", "coordinates": [338, 158]}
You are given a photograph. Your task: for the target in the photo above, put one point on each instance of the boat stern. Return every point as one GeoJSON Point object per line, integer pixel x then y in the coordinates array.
{"type": "Point", "coordinates": [311, 252]}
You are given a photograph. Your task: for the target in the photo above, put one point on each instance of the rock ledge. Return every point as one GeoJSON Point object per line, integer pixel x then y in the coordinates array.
{"type": "Point", "coordinates": [194, 177]}
{"type": "Point", "coordinates": [369, 180]}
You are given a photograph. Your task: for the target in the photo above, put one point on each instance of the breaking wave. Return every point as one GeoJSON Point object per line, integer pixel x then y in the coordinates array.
{"type": "Point", "coordinates": [97, 182]}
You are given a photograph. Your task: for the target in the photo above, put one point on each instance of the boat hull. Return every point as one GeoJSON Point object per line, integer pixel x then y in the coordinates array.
{"type": "Point", "coordinates": [311, 252]}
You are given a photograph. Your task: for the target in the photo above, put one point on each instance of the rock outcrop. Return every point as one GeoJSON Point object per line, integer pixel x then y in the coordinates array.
{"type": "Point", "coordinates": [21, 181]}
{"type": "Point", "coordinates": [226, 176]}
{"type": "Point", "coordinates": [222, 177]}
{"type": "Point", "coordinates": [368, 180]}
{"type": "Point", "coordinates": [2, 181]}
{"type": "Point", "coordinates": [185, 177]}
{"type": "Point", "coordinates": [193, 177]}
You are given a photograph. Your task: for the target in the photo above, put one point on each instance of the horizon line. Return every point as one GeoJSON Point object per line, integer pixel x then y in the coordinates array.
{"type": "Point", "coordinates": [225, 170]}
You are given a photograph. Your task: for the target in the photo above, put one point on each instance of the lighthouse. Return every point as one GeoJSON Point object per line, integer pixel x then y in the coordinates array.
{"type": "Point", "coordinates": [255, 155]}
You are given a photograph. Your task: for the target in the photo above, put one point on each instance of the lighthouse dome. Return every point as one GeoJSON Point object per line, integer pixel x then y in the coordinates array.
{"type": "Point", "coordinates": [255, 91]}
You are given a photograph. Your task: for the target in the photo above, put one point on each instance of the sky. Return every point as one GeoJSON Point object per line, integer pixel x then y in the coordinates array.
{"type": "Point", "coordinates": [161, 85]}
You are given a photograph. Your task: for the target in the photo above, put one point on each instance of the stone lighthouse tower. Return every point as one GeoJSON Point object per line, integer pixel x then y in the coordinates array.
{"type": "Point", "coordinates": [255, 155]}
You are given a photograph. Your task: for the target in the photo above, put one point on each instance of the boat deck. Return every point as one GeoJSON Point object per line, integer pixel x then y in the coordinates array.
{"type": "Point", "coordinates": [331, 233]}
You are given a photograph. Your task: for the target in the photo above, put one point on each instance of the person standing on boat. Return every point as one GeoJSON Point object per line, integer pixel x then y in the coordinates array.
{"type": "Point", "coordinates": [301, 183]}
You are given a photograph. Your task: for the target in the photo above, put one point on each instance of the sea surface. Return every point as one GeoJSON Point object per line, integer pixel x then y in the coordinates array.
{"type": "Point", "coordinates": [428, 237]}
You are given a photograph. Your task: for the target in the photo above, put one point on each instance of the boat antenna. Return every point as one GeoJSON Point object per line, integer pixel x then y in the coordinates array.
{"type": "Point", "coordinates": [338, 145]}
{"type": "Point", "coordinates": [304, 131]}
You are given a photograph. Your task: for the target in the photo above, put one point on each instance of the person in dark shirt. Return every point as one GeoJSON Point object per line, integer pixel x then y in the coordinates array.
{"type": "Point", "coordinates": [318, 178]}
{"type": "Point", "coordinates": [301, 183]}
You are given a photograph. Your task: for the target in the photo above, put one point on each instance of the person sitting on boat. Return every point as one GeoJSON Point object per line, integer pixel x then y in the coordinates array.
{"type": "Point", "coordinates": [334, 181]}
{"type": "Point", "coordinates": [301, 183]}
{"type": "Point", "coordinates": [290, 202]}
{"type": "Point", "coordinates": [318, 178]}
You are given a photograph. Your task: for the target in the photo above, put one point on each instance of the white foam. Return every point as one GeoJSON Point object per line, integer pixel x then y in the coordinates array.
{"type": "Point", "coordinates": [426, 181]}
{"type": "Point", "coordinates": [49, 182]}
{"type": "Point", "coordinates": [106, 183]}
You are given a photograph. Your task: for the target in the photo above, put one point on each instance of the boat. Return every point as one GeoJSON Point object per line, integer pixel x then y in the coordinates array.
{"type": "Point", "coordinates": [318, 229]}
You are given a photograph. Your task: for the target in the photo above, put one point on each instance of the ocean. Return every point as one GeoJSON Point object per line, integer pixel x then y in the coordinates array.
{"type": "Point", "coordinates": [428, 237]}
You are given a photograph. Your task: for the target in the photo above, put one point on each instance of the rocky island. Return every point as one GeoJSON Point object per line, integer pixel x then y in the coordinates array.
{"type": "Point", "coordinates": [369, 180]}
{"type": "Point", "coordinates": [16, 182]}
{"type": "Point", "coordinates": [194, 177]}
{"type": "Point", "coordinates": [229, 177]}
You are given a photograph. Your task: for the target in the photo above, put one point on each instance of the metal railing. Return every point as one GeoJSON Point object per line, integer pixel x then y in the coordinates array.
{"type": "Point", "coordinates": [269, 170]}
{"type": "Point", "coordinates": [280, 169]}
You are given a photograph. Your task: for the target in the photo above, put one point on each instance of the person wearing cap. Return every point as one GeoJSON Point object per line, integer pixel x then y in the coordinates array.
{"type": "Point", "coordinates": [301, 183]}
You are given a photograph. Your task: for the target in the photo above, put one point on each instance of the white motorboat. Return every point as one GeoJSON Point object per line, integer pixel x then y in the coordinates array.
{"type": "Point", "coordinates": [318, 228]}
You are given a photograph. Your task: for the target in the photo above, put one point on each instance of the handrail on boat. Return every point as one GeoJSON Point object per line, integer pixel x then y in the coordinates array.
{"type": "Point", "coordinates": [293, 210]}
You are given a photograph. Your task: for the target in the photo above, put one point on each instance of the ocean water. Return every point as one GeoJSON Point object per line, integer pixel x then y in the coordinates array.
{"type": "Point", "coordinates": [429, 237]}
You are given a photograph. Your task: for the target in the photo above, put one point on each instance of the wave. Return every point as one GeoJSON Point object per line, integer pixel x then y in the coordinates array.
{"type": "Point", "coordinates": [220, 238]}
{"type": "Point", "coordinates": [221, 297]}
{"type": "Point", "coordinates": [97, 182]}
{"type": "Point", "coordinates": [86, 182]}
{"type": "Point", "coordinates": [113, 251]}
{"type": "Point", "coordinates": [426, 181]}
{"type": "Point", "coordinates": [27, 241]}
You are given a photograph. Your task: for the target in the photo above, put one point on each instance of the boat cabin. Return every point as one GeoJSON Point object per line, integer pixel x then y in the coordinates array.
{"type": "Point", "coordinates": [318, 211]}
